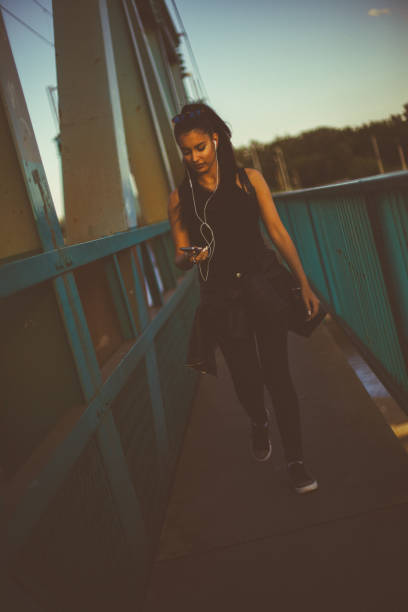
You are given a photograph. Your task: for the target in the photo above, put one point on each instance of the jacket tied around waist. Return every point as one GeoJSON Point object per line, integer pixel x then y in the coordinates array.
{"type": "Point", "coordinates": [232, 307]}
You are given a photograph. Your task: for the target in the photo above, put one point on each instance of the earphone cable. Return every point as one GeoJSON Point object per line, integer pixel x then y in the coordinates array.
{"type": "Point", "coordinates": [204, 223]}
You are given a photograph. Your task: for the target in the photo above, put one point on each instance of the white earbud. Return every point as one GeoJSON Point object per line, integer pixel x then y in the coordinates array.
{"type": "Point", "coordinates": [215, 144]}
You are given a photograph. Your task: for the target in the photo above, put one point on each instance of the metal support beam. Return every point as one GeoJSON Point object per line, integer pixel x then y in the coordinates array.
{"type": "Point", "coordinates": [146, 148]}
{"type": "Point", "coordinates": [156, 89]}
{"type": "Point", "coordinates": [99, 192]}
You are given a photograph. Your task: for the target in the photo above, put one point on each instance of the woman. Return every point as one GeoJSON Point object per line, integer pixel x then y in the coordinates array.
{"type": "Point", "coordinates": [216, 209]}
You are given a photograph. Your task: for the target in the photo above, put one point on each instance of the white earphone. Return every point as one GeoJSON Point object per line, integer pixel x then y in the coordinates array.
{"type": "Point", "coordinates": [203, 222]}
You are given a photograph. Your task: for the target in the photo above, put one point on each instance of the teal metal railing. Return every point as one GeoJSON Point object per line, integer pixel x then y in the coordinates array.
{"type": "Point", "coordinates": [352, 239]}
{"type": "Point", "coordinates": [135, 402]}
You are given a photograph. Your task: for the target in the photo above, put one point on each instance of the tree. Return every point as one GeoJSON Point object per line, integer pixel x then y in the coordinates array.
{"type": "Point", "coordinates": [327, 155]}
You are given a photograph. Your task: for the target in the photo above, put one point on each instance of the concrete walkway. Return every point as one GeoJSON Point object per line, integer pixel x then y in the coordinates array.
{"type": "Point", "coordinates": [236, 538]}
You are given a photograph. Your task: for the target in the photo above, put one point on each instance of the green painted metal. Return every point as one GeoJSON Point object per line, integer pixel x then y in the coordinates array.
{"type": "Point", "coordinates": [117, 471]}
{"type": "Point", "coordinates": [170, 252]}
{"type": "Point", "coordinates": [48, 481]}
{"type": "Point", "coordinates": [121, 299]}
{"type": "Point", "coordinates": [78, 334]}
{"type": "Point", "coordinates": [352, 239]}
{"type": "Point", "coordinates": [151, 276]}
{"type": "Point", "coordinates": [164, 262]}
{"type": "Point", "coordinates": [30, 271]}
{"type": "Point", "coordinates": [140, 295]}
{"type": "Point", "coordinates": [158, 410]}
{"type": "Point", "coordinates": [391, 229]}
{"type": "Point", "coordinates": [171, 346]}
{"type": "Point", "coordinates": [124, 296]}
{"type": "Point", "coordinates": [370, 184]}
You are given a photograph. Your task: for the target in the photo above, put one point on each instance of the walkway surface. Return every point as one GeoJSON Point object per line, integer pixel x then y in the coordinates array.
{"type": "Point", "coordinates": [236, 538]}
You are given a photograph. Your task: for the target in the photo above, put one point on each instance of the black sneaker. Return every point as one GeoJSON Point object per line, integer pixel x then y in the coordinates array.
{"type": "Point", "coordinates": [261, 445]}
{"type": "Point", "coordinates": [301, 480]}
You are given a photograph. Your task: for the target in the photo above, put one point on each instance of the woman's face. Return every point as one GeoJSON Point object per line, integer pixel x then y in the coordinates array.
{"type": "Point", "coordinates": [198, 149]}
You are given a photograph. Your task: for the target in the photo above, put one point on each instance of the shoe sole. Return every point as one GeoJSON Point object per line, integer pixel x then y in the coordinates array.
{"type": "Point", "coordinates": [307, 488]}
{"type": "Point", "coordinates": [267, 456]}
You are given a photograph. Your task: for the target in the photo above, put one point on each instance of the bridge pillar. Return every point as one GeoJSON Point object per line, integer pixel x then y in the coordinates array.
{"type": "Point", "coordinates": [153, 158]}
{"type": "Point", "coordinates": [99, 192]}
{"type": "Point", "coordinates": [119, 156]}
{"type": "Point", "coordinates": [149, 99]}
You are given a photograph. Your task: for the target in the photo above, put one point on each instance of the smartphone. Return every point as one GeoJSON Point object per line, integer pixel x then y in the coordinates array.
{"type": "Point", "coordinates": [195, 250]}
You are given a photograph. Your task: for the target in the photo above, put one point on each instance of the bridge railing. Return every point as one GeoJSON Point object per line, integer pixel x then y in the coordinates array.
{"type": "Point", "coordinates": [124, 435]}
{"type": "Point", "coordinates": [352, 239]}
{"type": "Point", "coordinates": [94, 393]}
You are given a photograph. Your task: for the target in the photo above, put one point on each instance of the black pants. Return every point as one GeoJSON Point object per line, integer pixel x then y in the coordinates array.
{"type": "Point", "coordinates": [251, 372]}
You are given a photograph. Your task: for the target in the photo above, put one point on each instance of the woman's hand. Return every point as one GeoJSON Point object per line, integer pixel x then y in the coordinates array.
{"type": "Point", "coordinates": [310, 300]}
{"type": "Point", "coordinates": [203, 254]}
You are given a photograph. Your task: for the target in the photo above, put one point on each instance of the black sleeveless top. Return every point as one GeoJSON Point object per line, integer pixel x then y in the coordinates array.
{"type": "Point", "coordinates": [233, 215]}
{"type": "Point", "coordinates": [230, 303]}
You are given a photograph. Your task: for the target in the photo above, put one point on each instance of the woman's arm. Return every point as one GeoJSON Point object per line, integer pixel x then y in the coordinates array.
{"type": "Point", "coordinates": [181, 237]}
{"type": "Point", "coordinates": [179, 233]}
{"type": "Point", "coordinates": [281, 238]}
{"type": "Point", "coordinates": [274, 225]}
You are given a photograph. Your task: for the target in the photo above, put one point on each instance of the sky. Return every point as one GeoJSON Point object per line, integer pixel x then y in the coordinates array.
{"type": "Point", "coordinates": [35, 61]}
{"type": "Point", "coordinates": [271, 68]}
